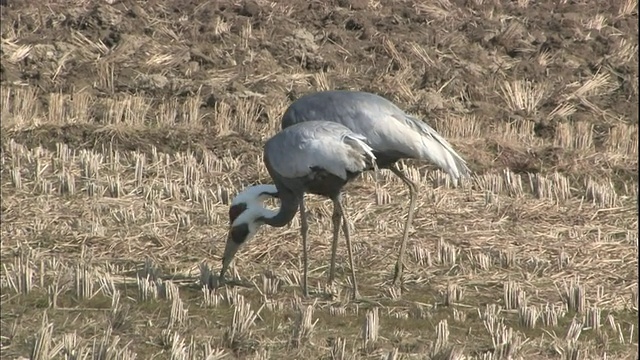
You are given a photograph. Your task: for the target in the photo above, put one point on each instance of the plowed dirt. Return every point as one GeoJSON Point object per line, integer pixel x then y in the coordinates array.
{"type": "Point", "coordinates": [545, 90]}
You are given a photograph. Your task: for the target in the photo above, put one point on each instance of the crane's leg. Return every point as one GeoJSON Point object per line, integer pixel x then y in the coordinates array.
{"type": "Point", "coordinates": [336, 218]}
{"type": "Point", "coordinates": [413, 191]}
{"type": "Point", "coordinates": [304, 228]}
{"type": "Point", "coordinates": [345, 229]}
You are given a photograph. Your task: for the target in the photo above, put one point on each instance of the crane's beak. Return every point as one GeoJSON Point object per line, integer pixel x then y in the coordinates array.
{"type": "Point", "coordinates": [230, 249]}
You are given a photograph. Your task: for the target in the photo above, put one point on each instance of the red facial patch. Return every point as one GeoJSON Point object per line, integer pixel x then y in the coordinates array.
{"type": "Point", "coordinates": [235, 211]}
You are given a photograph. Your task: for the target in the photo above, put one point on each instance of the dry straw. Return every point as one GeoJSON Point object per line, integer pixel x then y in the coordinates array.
{"type": "Point", "coordinates": [337, 350]}
{"type": "Point", "coordinates": [304, 325]}
{"type": "Point", "coordinates": [482, 261]}
{"type": "Point", "coordinates": [523, 95]}
{"type": "Point", "coordinates": [506, 341]}
{"type": "Point", "coordinates": [147, 289]}
{"type": "Point", "coordinates": [506, 223]}
{"type": "Point", "coordinates": [593, 318]}
{"type": "Point", "coordinates": [106, 282]}
{"type": "Point", "coordinates": [337, 310]}
{"type": "Point", "coordinates": [422, 256]}
{"type": "Point", "coordinates": [118, 314]}
{"type": "Point", "coordinates": [442, 336]}
{"type": "Point", "coordinates": [84, 281]}
{"type": "Point", "coordinates": [507, 258]}
{"type": "Point", "coordinates": [453, 294]}
{"type": "Point", "coordinates": [551, 313]}
{"type": "Point", "coordinates": [528, 316]}
{"type": "Point", "coordinates": [394, 354]}
{"type": "Point", "coordinates": [514, 296]}
{"type": "Point", "coordinates": [20, 275]}
{"type": "Point", "coordinates": [601, 195]}
{"type": "Point", "coordinates": [211, 297]}
{"type": "Point", "coordinates": [370, 329]}
{"type": "Point", "coordinates": [43, 349]}
{"type": "Point", "coordinates": [459, 316]}
{"type": "Point", "coordinates": [167, 290]}
{"type": "Point", "coordinates": [107, 347]}
{"type": "Point", "coordinates": [270, 284]}
{"type": "Point", "coordinates": [447, 254]}
{"type": "Point", "coordinates": [243, 320]}
{"type": "Point", "coordinates": [72, 349]}
{"type": "Point", "coordinates": [573, 295]}
{"type": "Point", "coordinates": [178, 315]}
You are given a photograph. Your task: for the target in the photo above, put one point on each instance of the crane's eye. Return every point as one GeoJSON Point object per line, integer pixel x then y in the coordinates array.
{"type": "Point", "coordinates": [239, 233]}
{"type": "Point", "coordinates": [235, 211]}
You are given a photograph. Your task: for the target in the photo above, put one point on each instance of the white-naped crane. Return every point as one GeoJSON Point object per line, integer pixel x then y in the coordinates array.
{"type": "Point", "coordinates": [316, 157]}
{"type": "Point", "coordinates": [389, 131]}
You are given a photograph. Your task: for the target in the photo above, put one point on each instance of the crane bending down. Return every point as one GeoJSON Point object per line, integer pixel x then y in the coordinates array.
{"type": "Point", "coordinates": [392, 134]}
{"type": "Point", "coordinates": [316, 157]}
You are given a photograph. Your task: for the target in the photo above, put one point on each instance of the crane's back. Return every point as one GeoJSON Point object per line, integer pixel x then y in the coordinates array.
{"type": "Point", "coordinates": [391, 132]}
{"type": "Point", "coordinates": [342, 106]}
{"type": "Point", "coordinates": [364, 113]}
{"type": "Point", "coordinates": [316, 156]}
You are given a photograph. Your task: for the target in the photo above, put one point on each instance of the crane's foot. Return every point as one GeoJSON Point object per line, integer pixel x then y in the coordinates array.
{"type": "Point", "coordinates": [331, 277]}
{"type": "Point", "coordinates": [397, 274]}
{"type": "Point", "coordinates": [363, 300]}
{"type": "Point", "coordinates": [230, 282]}
{"type": "Point", "coordinates": [215, 282]}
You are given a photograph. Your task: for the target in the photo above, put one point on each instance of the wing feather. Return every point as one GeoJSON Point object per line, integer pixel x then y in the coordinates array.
{"type": "Point", "coordinates": [436, 149]}
{"type": "Point", "coordinates": [294, 151]}
{"type": "Point", "coordinates": [387, 128]}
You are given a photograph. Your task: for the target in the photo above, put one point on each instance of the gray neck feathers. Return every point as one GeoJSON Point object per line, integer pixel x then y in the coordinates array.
{"type": "Point", "coordinates": [289, 203]}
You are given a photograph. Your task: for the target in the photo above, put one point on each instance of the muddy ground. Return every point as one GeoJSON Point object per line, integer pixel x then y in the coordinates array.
{"type": "Point", "coordinates": [571, 65]}
{"type": "Point", "coordinates": [224, 49]}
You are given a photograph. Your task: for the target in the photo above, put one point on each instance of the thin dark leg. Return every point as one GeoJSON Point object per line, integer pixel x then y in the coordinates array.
{"type": "Point", "coordinates": [345, 229]}
{"type": "Point", "coordinates": [304, 228]}
{"type": "Point", "coordinates": [336, 218]}
{"type": "Point", "coordinates": [413, 190]}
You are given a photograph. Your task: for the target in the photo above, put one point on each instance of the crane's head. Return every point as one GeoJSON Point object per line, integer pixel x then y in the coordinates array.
{"type": "Point", "coordinates": [250, 197]}
{"type": "Point", "coordinates": [245, 214]}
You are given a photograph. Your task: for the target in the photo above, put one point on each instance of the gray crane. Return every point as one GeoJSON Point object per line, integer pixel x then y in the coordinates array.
{"type": "Point", "coordinates": [392, 134]}
{"type": "Point", "coordinates": [316, 157]}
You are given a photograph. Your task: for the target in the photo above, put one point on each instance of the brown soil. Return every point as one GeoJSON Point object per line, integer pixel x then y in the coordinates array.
{"type": "Point", "coordinates": [334, 36]}
{"type": "Point", "coordinates": [447, 61]}
{"type": "Point", "coordinates": [222, 50]}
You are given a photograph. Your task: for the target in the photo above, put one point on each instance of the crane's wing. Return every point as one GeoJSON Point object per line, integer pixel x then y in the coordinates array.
{"type": "Point", "coordinates": [387, 129]}
{"type": "Point", "coordinates": [434, 147]}
{"type": "Point", "coordinates": [296, 150]}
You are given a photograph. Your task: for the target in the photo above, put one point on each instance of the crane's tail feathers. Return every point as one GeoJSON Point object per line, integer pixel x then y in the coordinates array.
{"type": "Point", "coordinates": [360, 142]}
{"type": "Point", "coordinates": [370, 161]}
{"type": "Point", "coordinates": [440, 152]}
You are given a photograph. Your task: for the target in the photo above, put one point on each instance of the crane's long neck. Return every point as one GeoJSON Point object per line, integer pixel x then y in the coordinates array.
{"type": "Point", "coordinates": [289, 203]}
{"type": "Point", "coordinates": [256, 216]}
